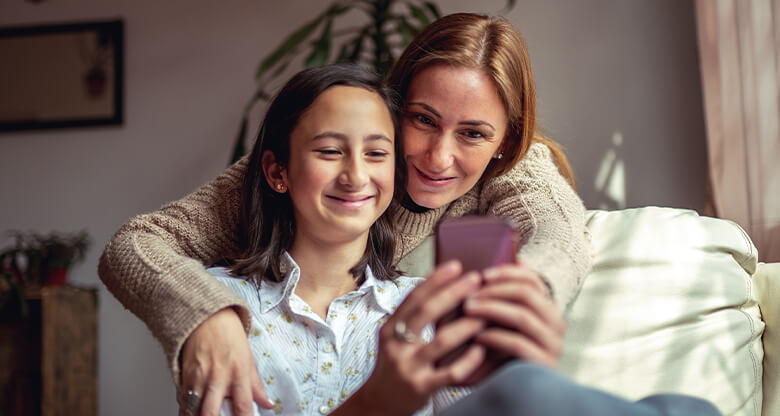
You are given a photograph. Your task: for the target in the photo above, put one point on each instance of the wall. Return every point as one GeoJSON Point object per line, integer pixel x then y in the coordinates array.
{"type": "Point", "coordinates": [606, 69]}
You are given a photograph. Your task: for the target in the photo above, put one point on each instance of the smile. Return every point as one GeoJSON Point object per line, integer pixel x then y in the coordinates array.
{"type": "Point", "coordinates": [351, 202]}
{"type": "Point", "coordinates": [433, 181]}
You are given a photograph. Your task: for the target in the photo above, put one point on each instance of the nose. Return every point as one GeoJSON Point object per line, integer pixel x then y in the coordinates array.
{"type": "Point", "coordinates": [440, 153]}
{"type": "Point", "coordinates": [354, 175]}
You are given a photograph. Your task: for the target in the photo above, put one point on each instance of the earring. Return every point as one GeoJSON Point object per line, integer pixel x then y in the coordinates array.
{"type": "Point", "coordinates": [499, 156]}
{"type": "Point", "coordinates": [280, 187]}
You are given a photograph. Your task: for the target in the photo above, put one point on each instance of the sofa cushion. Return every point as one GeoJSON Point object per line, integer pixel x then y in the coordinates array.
{"type": "Point", "coordinates": [669, 307]}
{"type": "Point", "coordinates": [767, 282]}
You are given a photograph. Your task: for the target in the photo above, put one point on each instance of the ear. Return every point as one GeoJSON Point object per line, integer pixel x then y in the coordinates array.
{"type": "Point", "coordinates": [275, 173]}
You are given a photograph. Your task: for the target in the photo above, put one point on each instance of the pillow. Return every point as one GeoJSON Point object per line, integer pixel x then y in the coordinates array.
{"type": "Point", "coordinates": [767, 281]}
{"type": "Point", "coordinates": [669, 307]}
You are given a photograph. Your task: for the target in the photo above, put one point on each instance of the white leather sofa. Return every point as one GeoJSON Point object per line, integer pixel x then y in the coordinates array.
{"type": "Point", "coordinates": [677, 302]}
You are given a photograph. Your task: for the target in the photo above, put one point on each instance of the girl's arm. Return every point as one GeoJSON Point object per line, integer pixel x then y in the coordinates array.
{"type": "Point", "coordinates": [550, 217]}
{"type": "Point", "coordinates": [154, 265]}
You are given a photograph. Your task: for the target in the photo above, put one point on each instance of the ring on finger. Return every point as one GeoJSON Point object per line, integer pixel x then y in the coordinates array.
{"type": "Point", "coordinates": [402, 333]}
{"type": "Point", "coordinates": [191, 402]}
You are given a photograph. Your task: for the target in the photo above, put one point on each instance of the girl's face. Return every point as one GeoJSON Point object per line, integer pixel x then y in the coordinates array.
{"type": "Point", "coordinates": [454, 124]}
{"type": "Point", "coordinates": [342, 165]}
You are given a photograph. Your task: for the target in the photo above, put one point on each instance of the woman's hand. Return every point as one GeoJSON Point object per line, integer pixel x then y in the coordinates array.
{"type": "Point", "coordinates": [527, 323]}
{"type": "Point", "coordinates": [216, 363]}
{"type": "Point", "coordinates": [406, 373]}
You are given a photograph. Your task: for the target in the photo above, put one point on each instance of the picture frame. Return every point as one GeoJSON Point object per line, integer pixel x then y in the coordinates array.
{"type": "Point", "coordinates": [61, 75]}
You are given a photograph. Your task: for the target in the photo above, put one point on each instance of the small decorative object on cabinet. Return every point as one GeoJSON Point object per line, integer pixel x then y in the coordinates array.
{"type": "Point", "coordinates": [48, 357]}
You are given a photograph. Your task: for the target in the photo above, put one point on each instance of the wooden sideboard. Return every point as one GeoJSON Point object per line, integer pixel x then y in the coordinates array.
{"type": "Point", "coordinates": [48, 359]}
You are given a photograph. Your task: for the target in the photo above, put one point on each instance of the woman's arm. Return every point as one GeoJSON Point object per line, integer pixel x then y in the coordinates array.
{"type": "Point", "coordinates": [550, 217]}
{"type": "Point", "coordinates": [154, 263]}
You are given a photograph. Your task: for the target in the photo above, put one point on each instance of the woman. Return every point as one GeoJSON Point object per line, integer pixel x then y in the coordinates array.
{"type": "Point", "coordinates": [471, 147]}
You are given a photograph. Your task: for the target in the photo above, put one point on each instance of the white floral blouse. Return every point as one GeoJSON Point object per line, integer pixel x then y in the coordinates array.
{"type": "Point", "coordinates": [309, 365]}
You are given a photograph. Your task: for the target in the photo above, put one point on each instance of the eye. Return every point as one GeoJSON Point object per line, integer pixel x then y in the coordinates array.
{"type": "Point", "coordinates": [471, 135]}
{"type": "Point", "coordinates": [474, 134]}
{"type": "Point", "coordinates": [377, 154]}
{"type": "Point", "coordinates": [423, 119]}
{"type": "Point", "coordinates": [328, 152]}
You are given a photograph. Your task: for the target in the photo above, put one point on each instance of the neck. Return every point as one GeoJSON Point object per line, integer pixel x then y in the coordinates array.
{"type": "Point", "coordinates": [409, 204]}
{"type": "Point", "coordinates": [325, 269]}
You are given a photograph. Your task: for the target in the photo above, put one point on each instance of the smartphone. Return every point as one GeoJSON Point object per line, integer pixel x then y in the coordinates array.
{"type": "Point", "coordinates": [478, 242]}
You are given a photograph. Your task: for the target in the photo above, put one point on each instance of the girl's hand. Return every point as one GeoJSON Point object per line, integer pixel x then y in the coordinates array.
{"type": "Point", "coordinates": [528, 324]}
{"type": "Point", "coordinates": [216, 363]}
{"type": "Point", "coordinates": [406, 374]}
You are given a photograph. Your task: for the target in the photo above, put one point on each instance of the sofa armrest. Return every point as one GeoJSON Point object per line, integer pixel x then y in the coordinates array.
{"type": "Point", "coordinates": [767, 283]}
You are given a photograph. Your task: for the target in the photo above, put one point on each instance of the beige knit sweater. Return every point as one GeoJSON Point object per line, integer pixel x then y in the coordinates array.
{"type": "Point", "coordinates": [154, 264]}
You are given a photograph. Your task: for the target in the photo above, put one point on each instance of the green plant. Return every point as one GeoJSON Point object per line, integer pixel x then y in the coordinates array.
{"type": "Point", "coordinates": [390, 26]}
{"type": "Point", "coordinates": [34, 257]}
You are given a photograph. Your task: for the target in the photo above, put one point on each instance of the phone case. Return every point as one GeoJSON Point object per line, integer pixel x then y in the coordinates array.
{"type": "Point", "coordinates": [477, 241]}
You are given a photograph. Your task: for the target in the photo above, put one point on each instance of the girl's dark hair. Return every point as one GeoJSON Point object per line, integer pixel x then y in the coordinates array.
{"type": "Point", "coordinates": [266, 221]}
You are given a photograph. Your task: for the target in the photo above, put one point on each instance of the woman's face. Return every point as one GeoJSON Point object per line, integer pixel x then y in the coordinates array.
{"type": "Point", "coordinates": [453, 125]}
{"type": "Point", "coordinates": [342, 165]}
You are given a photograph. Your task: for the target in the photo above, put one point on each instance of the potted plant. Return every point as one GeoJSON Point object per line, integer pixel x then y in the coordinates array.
{"type": "Point", "coordinates": [43, 258]}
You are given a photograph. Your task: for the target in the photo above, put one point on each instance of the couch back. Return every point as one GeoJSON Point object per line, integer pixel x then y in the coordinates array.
{"type": "Point", "coordinates": [670, 306]}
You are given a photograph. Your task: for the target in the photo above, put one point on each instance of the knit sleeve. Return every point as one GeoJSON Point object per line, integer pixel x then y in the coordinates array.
{"type": "Point", "coordinates": [550, 217]}
{"type": "Point", "coordinates": [154, 264]}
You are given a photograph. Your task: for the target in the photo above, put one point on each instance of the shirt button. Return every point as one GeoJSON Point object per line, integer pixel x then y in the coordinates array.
{"type": "Point", "coordinates": [324, 409]}
{"type": "Point", "coordinates": [327, 348]}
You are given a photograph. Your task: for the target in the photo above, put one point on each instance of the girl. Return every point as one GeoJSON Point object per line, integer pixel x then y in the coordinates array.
{"type": "Point", "coordinates": [317, 248]}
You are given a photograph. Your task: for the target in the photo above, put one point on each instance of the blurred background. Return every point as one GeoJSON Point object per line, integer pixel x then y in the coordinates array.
{"type": "Point", "coordinates": [619, 86]}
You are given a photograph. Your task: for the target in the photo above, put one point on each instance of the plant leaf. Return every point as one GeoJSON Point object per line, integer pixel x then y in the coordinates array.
{"type": "Point", "coordinates": [406, 30]}
{"type": "Point", "coordinates": [433, 8]}
{"type": "Point", "coordinates": [510, 4]}
{"type": "Point", "coordinates": [419, 14]}
{"type": "Point", "coordinates": [288, 45]}
{"type": "Point", "coordinates": [321, 51]}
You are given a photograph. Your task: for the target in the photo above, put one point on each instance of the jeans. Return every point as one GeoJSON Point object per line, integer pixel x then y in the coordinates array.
{"type": "Point", "coordinates": [526, 389]}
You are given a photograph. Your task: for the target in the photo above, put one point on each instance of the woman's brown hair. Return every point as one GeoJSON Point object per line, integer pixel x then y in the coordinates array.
{"type": "Point", "coordinates": [267, 222]}
{"type": "Point", "coordinates": [493, 45]}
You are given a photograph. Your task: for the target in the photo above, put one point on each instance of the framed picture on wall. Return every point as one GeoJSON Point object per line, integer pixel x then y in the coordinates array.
{"type": "Point", "coordinates": [66, 75]}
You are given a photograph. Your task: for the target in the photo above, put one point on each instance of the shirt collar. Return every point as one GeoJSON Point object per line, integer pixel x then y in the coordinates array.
{"type": "Point", "coordinates": [271, 293]}
{"type": "Point", "coordinates": [385, 292]}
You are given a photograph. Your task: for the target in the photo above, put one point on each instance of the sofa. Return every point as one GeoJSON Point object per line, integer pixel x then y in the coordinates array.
{"type": "Point", "coordinates": [676, 302]}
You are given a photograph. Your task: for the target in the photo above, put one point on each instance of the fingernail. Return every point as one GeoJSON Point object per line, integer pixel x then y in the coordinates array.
{"type": "Point", "coordinates": [473, 277]}
{"type": "Point", "coordinates": [471, 303]}
{"type": "Point", "coordinates": [490, 273]}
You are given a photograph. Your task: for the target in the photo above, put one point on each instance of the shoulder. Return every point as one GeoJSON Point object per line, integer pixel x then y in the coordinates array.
{"type": "Point", "coordinates": [238, 284]}
{"type": "Point", "coordinates": [537, 160]}
{"type": "Point", "coordinates": [401, 286]}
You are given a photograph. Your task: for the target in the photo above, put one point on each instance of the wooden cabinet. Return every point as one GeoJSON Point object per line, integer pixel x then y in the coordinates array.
{"type": "Point", "coordinates": [48, 359]}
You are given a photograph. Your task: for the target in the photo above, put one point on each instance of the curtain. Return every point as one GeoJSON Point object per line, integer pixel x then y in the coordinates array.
{"type": "Point", "coordinates": [739, 50]}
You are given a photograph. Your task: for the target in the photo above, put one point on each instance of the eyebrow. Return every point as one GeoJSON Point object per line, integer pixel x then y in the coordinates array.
{"type": "Point", "coordinates": [464, 122]}
{"type": "Point", "coordinates": [343, 137]}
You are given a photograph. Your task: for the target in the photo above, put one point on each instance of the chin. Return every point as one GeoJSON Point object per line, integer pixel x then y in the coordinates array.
{"type": "Point", "coordinates": [430, 201]}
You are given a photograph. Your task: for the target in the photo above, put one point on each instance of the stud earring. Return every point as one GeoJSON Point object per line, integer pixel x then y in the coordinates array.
{"type": "Point", "coordinates": [280, 187]}
{"type": "Point", "coordinates": [499, 156]}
